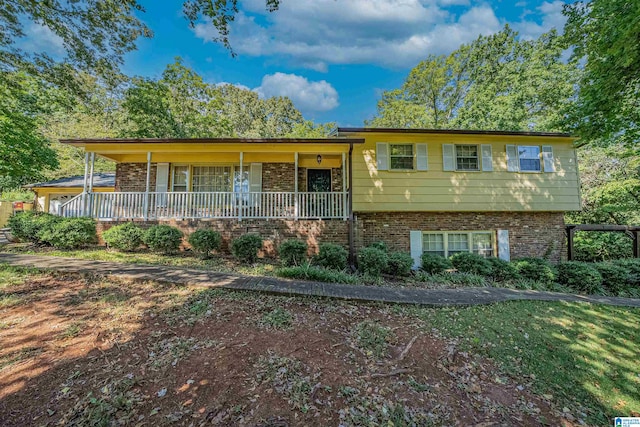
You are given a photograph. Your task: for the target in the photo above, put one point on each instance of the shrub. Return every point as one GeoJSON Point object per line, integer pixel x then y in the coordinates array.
{"type": "Point", "coordinates": [399, 264]}
{"type": "Point", "coordinates": [615, 278]}
{"type": "Point", "coordinates": [379, 245]}
{"type": "Point", "coordinates": [633, 267]}
{"type": "Point", "coordinates": [579, 276]}
{"type": "Point", "coordinates": [124, 237]}
{"type": "Point", "coordinates": [246, 247]}
{"type": "Point", "coordinates": [435, 264]}
{"type": "Point", "coordinates": [162, 238]}
{"type": "Point", "coordinates": [536, 269]}
{"type": "Point", "coordinates": [293, 252]}
{"type": "Point", "coordinates": [318, 274]}
{"type": "Point", "coordinates": [29, 226]}
{"type": "Point", "coordinates": [203, 242]}
{"type": "Point", "coordinates": [458, 279]}
{"type": "Point", "coordinates": [467, 262]}
{"type": "Point", "coordinates": [595, 247]}
{"type": "Point", "coordinates": [331, 256]}
{"type": "Point", "coordinates": [373, 261]}
{"type": "Point", "coordinates": [502, 271]}
{"type": "Point", "coordinates": [70, 233]}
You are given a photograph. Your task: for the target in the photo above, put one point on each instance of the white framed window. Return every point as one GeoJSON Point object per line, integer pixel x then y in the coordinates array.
{"type": "Point", "coordinates": [401, 156]}
{"type": "Point", "coordinates": [211, 179]}
{"type": "Point", "coordinates": [467, 157]}
{"type": "Point", "coordinates": [447, 243]}
{"type": "Point", "coordinates": [180, 178]}
{"type": "Point", "coordinates": [529, 158]}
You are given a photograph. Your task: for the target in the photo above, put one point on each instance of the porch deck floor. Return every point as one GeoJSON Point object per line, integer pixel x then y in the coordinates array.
{"type": "Point", "coordinates": [428, 297]}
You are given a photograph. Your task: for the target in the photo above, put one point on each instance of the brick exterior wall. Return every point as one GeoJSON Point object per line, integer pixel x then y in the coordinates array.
{"type": "Point", "coordinates": [272, 231]}
{"type": "Point", "coordinates": [530, 233]}
{"type": "Point", "coordinates": [133, 177]}
{"type": "Point", "coordinates": [278, 176]}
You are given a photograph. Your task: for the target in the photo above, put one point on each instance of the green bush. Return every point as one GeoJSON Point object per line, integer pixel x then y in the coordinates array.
{"type": "Point", "coordinates": [600, 246]}
{"type": "Point", "coordinates": [293, 252]}
{"type": "Point", "coordinates": [579, 276]}
{"type": "Point", "coordinates": [29, 226]}
{"type": "Point", "coordinates": [246, 247]}
{"type": "Point", "coordinates": [317, 274]}
{"type": "Point", "coordinates": [615, 278]}
{"type": "Point", "coordinates": [632, 265]}
{"type": "Point", "coordinates": [379, 245]}
{"type": "Point", "coordinates": [467, 262]}
{"type": "Point", "coordinates": [435, 264]}
{"type": "Point", "coordinates": [162, 238]}
{"type": "Point", "coordinates": [536, 269]}
{"type": "Point", "coordinates": [502, 271]}
{"type": "Point", "coordinates": [203, 242]}
{"type": "Point", "coordinates": [399, 264]}
{"type": "Point", "coordinates": [457, 279]}
{"type": "Point", "coordinates": [331, 256]}
{"type": "Point", "coordinates": [372, 261]}
{"type": "Point", "coordinates": [124, 237]}
{"type": "Point", "coordinates": [70, 233]}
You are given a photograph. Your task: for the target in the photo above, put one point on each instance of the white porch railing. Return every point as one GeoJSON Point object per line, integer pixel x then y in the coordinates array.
{"type": "Point", "coordinates": [187, 205]}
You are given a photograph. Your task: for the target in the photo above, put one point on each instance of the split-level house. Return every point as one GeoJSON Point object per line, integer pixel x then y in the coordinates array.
{"type": "Point", "coordinates": [497, 194]}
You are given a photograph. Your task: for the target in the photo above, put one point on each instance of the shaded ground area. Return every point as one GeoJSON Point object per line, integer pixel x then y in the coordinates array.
{"type": "Point", "coordinates": [81, 350]}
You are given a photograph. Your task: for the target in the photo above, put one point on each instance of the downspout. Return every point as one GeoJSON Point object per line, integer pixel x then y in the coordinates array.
{"type": "Point", "coordinates": [350, 221]}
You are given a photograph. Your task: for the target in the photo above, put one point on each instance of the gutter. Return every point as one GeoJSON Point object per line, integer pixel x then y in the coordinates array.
{"type": "Point", "coordinates": [350, 221]}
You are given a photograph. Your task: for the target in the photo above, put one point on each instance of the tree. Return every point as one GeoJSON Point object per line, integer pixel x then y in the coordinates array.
{"type": "Point", "coordinates": [605, 34]}
{"type": "Point", "coordinates": [497, 82]}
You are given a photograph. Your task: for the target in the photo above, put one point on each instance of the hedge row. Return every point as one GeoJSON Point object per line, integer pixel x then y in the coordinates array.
{"type": "Point", "coordinates": [51, 230]}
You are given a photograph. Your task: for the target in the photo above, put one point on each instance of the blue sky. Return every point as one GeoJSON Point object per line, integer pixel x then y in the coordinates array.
{"type": "Point", "coordinates": [333, 58]}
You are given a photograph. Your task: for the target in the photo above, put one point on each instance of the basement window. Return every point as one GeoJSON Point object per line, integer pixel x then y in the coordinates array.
{"type": "Point", "coordinates": [447, 243]}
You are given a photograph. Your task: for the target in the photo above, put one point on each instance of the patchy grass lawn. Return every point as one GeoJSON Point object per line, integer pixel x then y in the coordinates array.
{"type": "Point", "coordinates": [85, 350]}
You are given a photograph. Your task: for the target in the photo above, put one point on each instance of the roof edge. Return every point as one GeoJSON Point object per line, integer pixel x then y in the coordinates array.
{"type": "Point", "coordinates": [341, 130]}
{"type": "Point", "coordinates": [330, 140]}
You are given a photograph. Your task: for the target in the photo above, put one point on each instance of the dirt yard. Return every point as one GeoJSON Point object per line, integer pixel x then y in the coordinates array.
{"type": "Point", "coordinates": [89, 351]}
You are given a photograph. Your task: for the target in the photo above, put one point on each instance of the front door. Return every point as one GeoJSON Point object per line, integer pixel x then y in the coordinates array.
{"type": "Point", "coordinates": [319, 180]}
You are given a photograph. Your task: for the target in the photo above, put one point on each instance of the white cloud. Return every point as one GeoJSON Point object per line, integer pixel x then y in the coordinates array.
{"type": "Point", "coordinates": [307, 96]}
{"type": "Point", "coordinates": [40, 39]}
{"type": "Point", "coordinates": [550, 16]}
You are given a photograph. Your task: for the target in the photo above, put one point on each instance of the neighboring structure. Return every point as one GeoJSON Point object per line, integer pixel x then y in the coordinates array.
{"type": "Point", "coordinates": [437, 191]}
{"type": "Point", "coordinates": [51, 195]}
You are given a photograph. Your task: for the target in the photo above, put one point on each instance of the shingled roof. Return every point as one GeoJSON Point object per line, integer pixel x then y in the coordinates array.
{"type": "Point", "coordinates": [100, 179]}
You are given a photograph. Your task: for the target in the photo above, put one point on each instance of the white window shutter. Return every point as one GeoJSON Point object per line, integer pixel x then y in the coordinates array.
{"type": "Point", "coordinates": [422, 161]}
{"type": "Point", "coordinates": [547, 157]}
{"type": "Point", "coordinates": [255, 177]}
{"type": "Point", "coordinates": [503, 245]}
{"type": "Point", "coordinates": [513, 161]}
{"type": "Point", "coordinates": [448, 157]}
{"type": "Point", "coordinates": [382, 156]}
{"type": "Point", "coordinates": [162, 183]}
{"type": "Point", "coordinates": [487, 158]}
{"type": "Point", "coordinates": [415, 242]}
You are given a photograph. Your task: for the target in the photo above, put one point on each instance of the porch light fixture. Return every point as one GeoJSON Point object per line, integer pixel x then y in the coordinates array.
{"type": "Point", "coordinates": [319, 159]}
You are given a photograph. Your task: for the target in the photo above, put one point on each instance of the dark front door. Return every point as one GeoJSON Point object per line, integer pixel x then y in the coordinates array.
{"type": "Point", "coordinates": [319, 180]}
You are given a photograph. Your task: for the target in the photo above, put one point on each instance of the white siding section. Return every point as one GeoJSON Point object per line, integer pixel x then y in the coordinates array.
{"type": "Point", "coordinates": [503, 245]}
{"type": "Point", "coordinates": [547, 157]}
{"type": "Point", "coordinates": [422, 161]}
{"type": "Point", "coordinates": [448, 157]}
{"type": "Point", "coordinates": [487, 158]}
{"type": "Point", "coordinates": [382, 156]}
{"type": "Point", "coordinates": [513, 162]}
{"type": "Point", "coordinates": [415, 242]}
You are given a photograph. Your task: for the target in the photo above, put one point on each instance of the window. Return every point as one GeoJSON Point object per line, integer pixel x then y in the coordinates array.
{"type": "Point", "coordinates": [211, 178]}
{"type": "Point", "coordinates": [529, 157]}
{"type": "Point", "coordinates": [452, 242]}
{"type": "Point", "coordinates": [180, 180]}
{"type": "Point", "coordinates": [401, 156]}
{"type": "Point", "coordinates": [467, 158]}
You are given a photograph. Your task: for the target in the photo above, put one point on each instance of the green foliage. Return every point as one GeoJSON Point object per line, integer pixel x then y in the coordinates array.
{"type": "Point", "coordinates": [246, 247]}
{"type": "Point", "coordinates": [535, 269]}
{"type": "Point", "coordinates": [316, 274]}
{"type": "Point", "coordinates": [293, 252]}
{"type": "Point", "coordinates": [125, 237]}
{"type": "Point", "coordinates": [331, 256]}
{"type": "Point", "coordinates": [615, 277]}
{"type": "Point", "coordinates": [399, 264]}
{"type": "Point", "coordinates": [69, 233]}
{"type": "Point", "coordinates": [467, 262]}
{"type": "Point", "coordinates": [458, 279]}
{"type": "Point", "coordinates": [373, 261]}
{"type": "Point", "coordinates": [162, 238]}
{"type": "Point", "coordinates": [599, 246]}
{"type": "Point", "coordinates": [579, 276]}
{"type": "Point", "coordinates": [380, 245]}
{"type": "Point", "coordinates": [372, 338]}
{"type": "Point", "coordinates": [17, 195]}
{"type": "Point", "coordinates": [633, 267]}
{"type": "Point", "coordinates": [501, 270]}
{"type": "Point", "coordinates": [604, 34]}
{"type": "Point", "coordinates": [278, 318]}
{"type": "Point", "coordinates": [29, 226]}
{"type": "Point", "coordinates": [203, 242]}
{"type": "Point", "coordinates": [434, 264]}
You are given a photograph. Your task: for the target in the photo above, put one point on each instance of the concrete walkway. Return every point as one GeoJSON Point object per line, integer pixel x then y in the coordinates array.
{"type": "Point", "coordinates": [429, 297]}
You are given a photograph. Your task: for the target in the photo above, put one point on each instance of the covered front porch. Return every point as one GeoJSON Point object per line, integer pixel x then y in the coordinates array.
{"type": "Point", "coordinates": [218, 179]}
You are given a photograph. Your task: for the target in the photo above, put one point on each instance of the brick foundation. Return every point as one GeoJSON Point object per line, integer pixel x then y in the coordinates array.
{"type": "Point", "coordinates": [530, 233]}
{"type": "Point", "coordinates": [273, 232]}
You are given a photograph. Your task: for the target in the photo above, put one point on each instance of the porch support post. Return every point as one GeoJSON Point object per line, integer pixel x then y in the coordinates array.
{"type": "Point", "coordinates": [239, 199]}
{"type": "Point", "coordinates": [296, 206]}
{"type": "Point", "coordinates": [570, 231]}
{"type": "Point", "coordinates": [85, 184]}
{"type": "Point", "coordinates": [350, 221]}
{"type": "Point", "coordinates": [147, 187]}
{"type": "Point", "coordinates": [344, 186]}
{"type": "Point", "coordinates": [90, 192]}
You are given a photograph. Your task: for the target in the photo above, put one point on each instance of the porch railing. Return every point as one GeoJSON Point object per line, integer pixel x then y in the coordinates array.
{"type": "Point", "coordinates": [189, 205]}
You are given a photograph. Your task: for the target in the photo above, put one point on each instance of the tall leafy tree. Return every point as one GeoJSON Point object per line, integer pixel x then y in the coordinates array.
{"type": "Point", "coordinates": [605, 35]}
